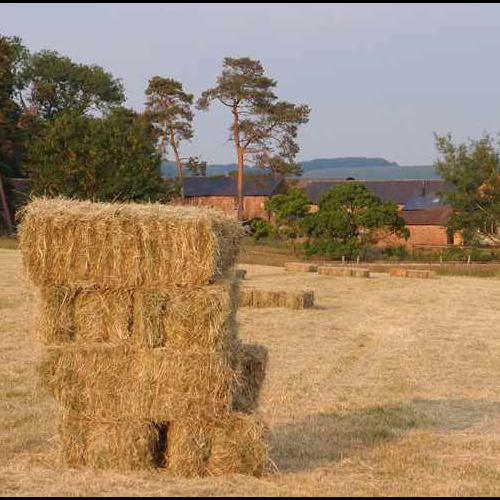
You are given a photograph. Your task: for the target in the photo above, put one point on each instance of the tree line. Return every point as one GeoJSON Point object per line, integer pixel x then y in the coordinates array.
{"type": "Point", "coordinates": [64, 125]}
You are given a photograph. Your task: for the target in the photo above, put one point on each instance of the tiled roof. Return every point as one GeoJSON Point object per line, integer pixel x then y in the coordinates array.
{"type": "Point", "coordinates": [228, 186]}
{"type": "Point", "coordinates": [396, 191]}
{"type": "Point", "coordinates": [426, 217]}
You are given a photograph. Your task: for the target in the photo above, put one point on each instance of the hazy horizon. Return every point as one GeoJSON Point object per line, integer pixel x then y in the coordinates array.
{"type": "Point", "coordinates": [380, 78]}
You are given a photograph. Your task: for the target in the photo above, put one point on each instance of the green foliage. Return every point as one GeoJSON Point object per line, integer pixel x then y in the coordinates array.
{"type": "Point", "coordinates": [350, 217]}
{"type": "Point", "coordinates": [279, 167]}
{"type": "Point", "coordinates": [168, 107]}
{"type": "Point", "coordinates": [103, 159]}
{"type": "Point", "coordinates": [473, 169]}
{"type": "Point", "coordinates": [12, 132]}
{"type": "Point", "coordinates": [288, 207]}
{"type": "Point", "coordinates": [260, 229]}
{"type": "Point", "coordinates": [289, 210]}
{"type": "Point", "coordinates": [397, 253]}
{"type": "Point", "coordinates": [54, 84]}
{"type": "Point", "coordinates": [196, 167]}
{"type": "Point", "coordinates": [331, 249]}
{"type": "Point", "coordinates": [263, 128]}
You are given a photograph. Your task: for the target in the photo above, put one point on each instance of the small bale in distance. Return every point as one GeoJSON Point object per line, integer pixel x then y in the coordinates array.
{"type": "Point", "coordinates": [300, 267]}
{"type": "Point", "coordinates": [261, 299]}
{"type": "Point", "coordinates": [412, 273]}
{"type": "Point", "coordinates": [351, 272]}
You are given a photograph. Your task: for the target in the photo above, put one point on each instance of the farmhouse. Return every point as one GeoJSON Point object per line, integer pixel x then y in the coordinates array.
{"type": "Point", "coordinates": [222, 193]}
{"type": "Point", "coordinates": [419, 204]}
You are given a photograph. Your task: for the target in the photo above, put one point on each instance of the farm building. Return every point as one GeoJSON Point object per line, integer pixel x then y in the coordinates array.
{"type": "Point", "coordinates": [222, 193]}
{"type": "Point", "coordinates": [418, 202]}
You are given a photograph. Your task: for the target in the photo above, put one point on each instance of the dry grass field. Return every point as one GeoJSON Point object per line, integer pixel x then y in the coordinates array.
{"type": "Point", "coordinates": [387, 387]}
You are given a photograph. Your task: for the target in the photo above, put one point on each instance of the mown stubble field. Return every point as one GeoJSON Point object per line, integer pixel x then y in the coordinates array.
{"type": "Point", "coordinates": [388, 387]}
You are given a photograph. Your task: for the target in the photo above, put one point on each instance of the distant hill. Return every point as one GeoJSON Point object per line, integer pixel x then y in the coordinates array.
{"type": "Point", "coordinates": [335, 168]}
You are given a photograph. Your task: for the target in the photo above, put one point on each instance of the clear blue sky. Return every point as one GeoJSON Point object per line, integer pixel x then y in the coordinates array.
{"type": "Point", "coordinates": [380, 78]}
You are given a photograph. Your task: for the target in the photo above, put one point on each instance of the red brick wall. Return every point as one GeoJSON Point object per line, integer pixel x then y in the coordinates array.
{"type": "Point", "coordinates": [229, 205]}
{"type": "Point", "coordinates": [420, 235]}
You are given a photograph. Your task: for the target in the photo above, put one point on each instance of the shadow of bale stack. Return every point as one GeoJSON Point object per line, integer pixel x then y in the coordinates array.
{"type": "Point", "coordinates": [137, 310]}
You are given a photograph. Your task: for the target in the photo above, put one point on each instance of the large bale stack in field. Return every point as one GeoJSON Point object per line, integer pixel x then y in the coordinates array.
{"type": "Point", "coordinates": [137, 312]}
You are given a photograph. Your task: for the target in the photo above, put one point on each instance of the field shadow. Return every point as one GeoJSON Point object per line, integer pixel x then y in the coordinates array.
{"type": "Point", "coordinates": [326, 438]}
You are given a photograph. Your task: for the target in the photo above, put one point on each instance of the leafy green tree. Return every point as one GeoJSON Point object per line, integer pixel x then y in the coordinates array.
{"type": "Point", "coordinates": [196, 167]}
{"type": "Point", "coordinates": [12, 131]}
{"type": "Point", "coordinates": [53, 84]}
{"type": "Point", "coordinates": [282, 168]}
{"type": "Point", "coordinates": [169, 108]}
{"type": "Point", "coordinates": [289, 210]}
{"type": "Point", "coordinates": [103, 159]}
{"type": "Point", "coordinates": [352, 217]}
{"type": "Point", "coordinates": [260, 228]}
{"type": "Point", "coordinates": [473, 169]}
{"type": "Point", "coordinates": [262, 126]}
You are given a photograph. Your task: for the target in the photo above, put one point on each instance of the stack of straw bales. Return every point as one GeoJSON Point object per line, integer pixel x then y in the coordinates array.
{"type": "Point", "coordinates": [352, 272]}
{"type": "Point", "coordinates": [300, 267]}
{"type": "Point", "coordinates": [400, 272]}
{"type": "Point", "coordinates": [137, 307]}
{"type": "Point", "coordinates": [268, 298]}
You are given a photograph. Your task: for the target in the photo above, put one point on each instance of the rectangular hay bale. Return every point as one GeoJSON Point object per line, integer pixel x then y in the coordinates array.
{"type": "Point", "coordinates": [300, 267]}
{"type": "Point", "coordinates": [204, 317]}
{"type": "Point", "coordinates": [234, 444]}
{"type": "Point", "coordinates": [413, 273]}
{"type": "Point", "coordinates": [342, 271]}
{"type": "Point", "coordinates": [121, 445]}
{"type": "Point", "coordinates": [239, 446]}
{"type": "Point", "coordinates": [129, 383]}
{"type": "Point", "coordinates": [200, 318]}
{"type": "Point", "coordinates": [300, 300]}
{"type": "Point", "coordinates": [116, 246]}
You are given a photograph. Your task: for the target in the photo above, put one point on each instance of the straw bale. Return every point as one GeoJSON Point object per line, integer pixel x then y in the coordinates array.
{"type": "Point", "coordinates": [300, 267]}
{"type": "Point", "coordinates": [412, 273]}
{"type": "Point", "coordinates": [115, 246]}
{"type": "Point", "coordinates": [179, 319]}
{"type": "Point", "coordinates": [199, 318]}
{"type": "Point", "coordinates": [399, 272]}
{"type": "Point", "coordinates": [119, 444]}
{"type": "Point", "coordinates": [189, 447]}
{"type": "Point", "coordinates": [260, 299]}
{"type": "Point", "coordinates": [239, 446]}
{"type": "Point", "coordinates": [154, 384]}
{"type": "Point", "coordinates": [246, 298]}
{"type": "Point", "coordinates": [351, 272]}
{"type": "Point", "coordinates": [300, 300]}
{"type": "Point", "coordinates": [253, 360]}
{"type": "Point", "coordinates": [54, 315]}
